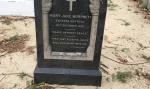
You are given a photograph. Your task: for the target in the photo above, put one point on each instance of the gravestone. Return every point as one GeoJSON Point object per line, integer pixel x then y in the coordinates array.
{"type": "Point", "coordinates": [69, 39]}
{"type": "Point", "coordinates": [148, 5]}
{"type": "Point", "coordinates": [144, 3]}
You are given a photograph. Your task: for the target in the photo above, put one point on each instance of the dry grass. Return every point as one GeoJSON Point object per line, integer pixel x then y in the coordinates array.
{"type": "Point", "coordinates": [13, 44]}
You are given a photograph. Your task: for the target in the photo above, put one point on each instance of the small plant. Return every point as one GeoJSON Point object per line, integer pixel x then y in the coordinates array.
{"type": "Point", "coordinates": [136, 11]}
{"type": "Point", "coordinates": [124, 22]}
{"type": "Point", "coordinates": [125, 50]}
{"type": "Point", "coordinates": [22, 75]}
{"type": "Point", "coordinates": [146, 57]}
{"type": "Point", "coordinates": [40, 86]}
{"type": "Point", "coordinates": [111, 5]}
{"type": "Point", "coordinates": [122, 76]}
{"type": "Point", "coordinates": [15, 85]}
{"type": "Point", "coordinates": [32, 87]}
{"type": "Point", "coordinates": [6, 21]}
{"type": "Point", "coordinates": [147, 76]}
{"type": "Point", "coordinates": [108, 79]}
{"type": "Point", "coordinates": [14, 38]}
{"type": "Point", "coordinates": [129, 9]}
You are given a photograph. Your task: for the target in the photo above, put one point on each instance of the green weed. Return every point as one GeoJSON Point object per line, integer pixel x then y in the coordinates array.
{"type": "Point", "coordinates": [111, 5]}
{"type": "Point", "coordinates": [122, 76]}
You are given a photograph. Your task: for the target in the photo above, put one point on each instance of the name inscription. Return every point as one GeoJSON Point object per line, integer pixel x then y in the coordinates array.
{"type": "Point", "coordinates": [70, 29]}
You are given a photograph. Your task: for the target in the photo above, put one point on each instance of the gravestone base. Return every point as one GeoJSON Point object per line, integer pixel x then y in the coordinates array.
{"type": "Point", "coordinates": [64, 76]}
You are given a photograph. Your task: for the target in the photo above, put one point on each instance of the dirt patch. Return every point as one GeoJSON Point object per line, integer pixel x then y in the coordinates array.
{"type": "Point", "coordinates": [14, 44]}
{"type": "Point", "coordinates": [29, 50]}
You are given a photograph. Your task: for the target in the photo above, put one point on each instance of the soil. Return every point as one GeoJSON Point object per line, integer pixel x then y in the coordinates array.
{"type": "Point", "coordinates": [126, 49]}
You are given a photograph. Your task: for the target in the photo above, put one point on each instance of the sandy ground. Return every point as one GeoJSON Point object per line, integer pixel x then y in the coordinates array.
{"type": "Point", "coordinates": [126, 41]}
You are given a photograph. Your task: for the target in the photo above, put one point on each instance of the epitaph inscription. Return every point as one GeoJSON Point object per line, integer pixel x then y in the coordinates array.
{"type": "Point", "coordinates": [70, 29]}
{"type": "Point", "coordinates": [70, 26]}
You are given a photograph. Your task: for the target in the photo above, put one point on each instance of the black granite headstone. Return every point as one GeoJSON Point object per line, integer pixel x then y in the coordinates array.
{"type": "Point", "coordinates": [70, 24]}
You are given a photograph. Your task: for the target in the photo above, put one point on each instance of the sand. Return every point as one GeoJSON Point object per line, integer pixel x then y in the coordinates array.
{"type": "Point", "coordinates": [126, 40]}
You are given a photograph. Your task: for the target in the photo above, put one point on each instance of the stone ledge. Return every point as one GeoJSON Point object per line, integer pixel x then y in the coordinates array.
{"type": "Point", "coordinates": [67, 76]}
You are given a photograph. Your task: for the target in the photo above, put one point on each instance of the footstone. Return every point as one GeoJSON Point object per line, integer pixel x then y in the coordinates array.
{"type": "Point", "coordinates": [69, 41]}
